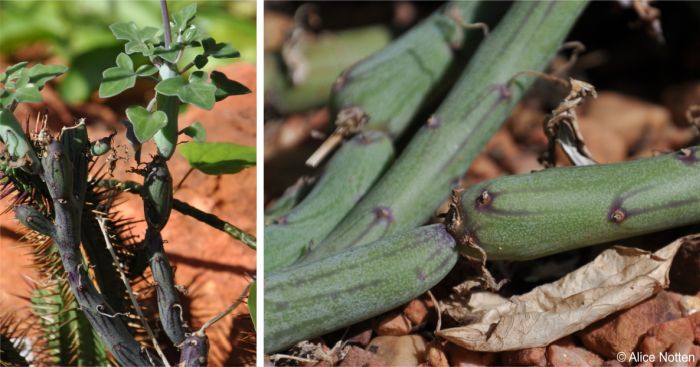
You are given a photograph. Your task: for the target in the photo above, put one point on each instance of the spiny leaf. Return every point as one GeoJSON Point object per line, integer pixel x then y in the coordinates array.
{"type": "Point", "coordinates": [218, 158]}
{"type": "Point", "coordinates": [12, 340]}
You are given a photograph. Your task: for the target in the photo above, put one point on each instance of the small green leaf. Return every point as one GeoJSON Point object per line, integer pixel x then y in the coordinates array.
{"type": "Point", "coordinates": [198, 91]}
{"type": "Point", "coordinates": [219, 50]}
{"type": "Point", "coordinates": [124, 62]}
{"type": "Point", "coordinates": [39, 74]}
{"type": "Point", "coordinates": [200, 61]}
{"type": "Point", "coordinates": [226, 87]}
{"type": "Point", "coordinates": [183, 17]}
{"type": "Point", "coordinates": [146, 70]}
{"type": "Point", "coordinates": [170, 54]}
{"type": "Point", "coordinates": [146, 124]}
{"type": "Point", "coordinates": [253, 302]}
{"type": "Point", "coordinates": [137, 37]}
{"type": "Point", "coordinates": [28, 93]}
{"type": "Point", "coordinates": [170, 87]}
{"type": "Point", "coordinates": [5, 99]}
{"type": "Point", "coordinates": [218, 158]}
{"type": "Point", "coordinates": [119, 78]}
{"type": "Point", "coordinates": [12, 70]}
{"type": "Point", "coordinates": [196, 131]}
{"type": "Point", "coordinates": [21, 79]}
{"type": "Point", "coordinates": [192, 34]}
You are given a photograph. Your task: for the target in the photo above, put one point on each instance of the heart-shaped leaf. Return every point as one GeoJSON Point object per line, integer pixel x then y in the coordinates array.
{"type": "Point", "coordinates": [119, 78]}
{"type": "Point", "coordinates": [218, 158]}
{"type": "Point", "coordinates": [196, 91]}
{"type": "Point", "coordinates": [146, 124]}
{"type": "Point", "coordinates": [28, 93]}
{"type": "Point", "coordinates": [6, 98]}
{"type": "Point", "coordinates": [183, 17]}
{"type": "Point", "coordinates": [39, 74]}
{"type": "Point", "coordinates": [200, 61]}
{"type": "Point", "coordinates": [226, 87]}
{"type": "Point", "coordinates": [138, 38]}
{"type": "Point", "coordinates": [12, 70]}
{"type": "Point", "coordinates": [200, 94]}
{"type": "Point", "coordinates": [170, 87]}
{"type": "Point", "coordinates": [192, 34]}
{"type": "Point", "coordinates": [196, 131]}
{"type": "Point", "coordinates": [219, 50]}
{"type": "Point", "coordinates": [170, 54]}
{"type": "Point", "coordinates": [146, 70]}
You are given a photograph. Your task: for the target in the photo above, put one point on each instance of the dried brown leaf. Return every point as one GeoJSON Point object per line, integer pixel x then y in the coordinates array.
{"type": "Point", "coordinates": [617, 279]}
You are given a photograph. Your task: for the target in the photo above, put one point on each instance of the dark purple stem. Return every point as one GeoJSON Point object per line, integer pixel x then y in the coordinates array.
{"type": "Point", "coordinates": [166, 23]}
{"type": "Point", "coordinates": [58, 175]}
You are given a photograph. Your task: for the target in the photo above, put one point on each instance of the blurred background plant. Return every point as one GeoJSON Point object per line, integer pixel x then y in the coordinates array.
{"type": "Point", "coordinates": [76, 34]}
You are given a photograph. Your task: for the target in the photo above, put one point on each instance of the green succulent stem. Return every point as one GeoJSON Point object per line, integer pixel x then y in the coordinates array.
{"type": "Point", "coordinates": [431, 52]}
{"type": "Point", "coordinates": [441, 151]}
{"type": "Point", "coordinates": [528, 216]}
{"type": "Point", "coordinates": [351, 172]}
{"type": "Point", "coordinates": [310, 299]}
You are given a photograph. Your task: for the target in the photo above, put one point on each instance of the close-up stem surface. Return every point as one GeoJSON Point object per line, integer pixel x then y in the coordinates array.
{"type": "Point", "coordinates": [526, 39]}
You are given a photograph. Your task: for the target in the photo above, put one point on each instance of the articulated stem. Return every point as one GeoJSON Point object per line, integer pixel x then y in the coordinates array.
{"type": "Point", "coordinates": [348, 176]}
{"type": "Point", "coordinates": [439, 154]}
{"type": "Point", "coordinates": [169, 308]}
{"type": "Point", "coordinates": [391, 86]}
{"type": "Point", "coordinates": [307, 300]}
{"type": "Point", "coordinates": [560, 209]}
{"type": "Point", "coordinates": [194, 351]}
{"type": "Point", "coordinates": [58, 176]}
{"type": "Point", "coordinates": [157, 194]}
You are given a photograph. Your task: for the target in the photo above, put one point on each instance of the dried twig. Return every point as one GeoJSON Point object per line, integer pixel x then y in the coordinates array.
{"type": "Point", "coordinates": [134, 301]}
{"type": "Point", "coordinates": [228, 309]}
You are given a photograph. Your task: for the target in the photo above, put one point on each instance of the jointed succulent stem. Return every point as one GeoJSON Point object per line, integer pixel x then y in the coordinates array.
{"type": "Point", "coordinates": [132, 297]}
{"type": "Point", "coordinates": [313, 298]}
{"type": "Point", "coordinates": [169, 308]}
{"type": "Point", "coordinates": [442, 150]}
{"type": "Point", "coordinates": [351, 172]}
{"type": "Point", "coordinates": [58, 175]}
{"type": "Point", "coordinates": [431, 53]}
{"type": "Point", "coordinates": [559, 209]}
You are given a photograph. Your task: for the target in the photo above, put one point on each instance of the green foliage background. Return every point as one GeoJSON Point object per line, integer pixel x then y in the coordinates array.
{"type": "Point", "coordinates": [76, 33]}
